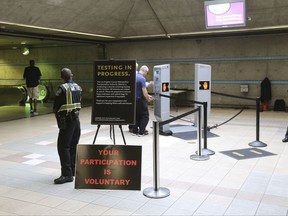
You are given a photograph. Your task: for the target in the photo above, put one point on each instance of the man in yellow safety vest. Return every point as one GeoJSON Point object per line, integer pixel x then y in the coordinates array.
{"type": "Point", "coordinates": [66, 107]}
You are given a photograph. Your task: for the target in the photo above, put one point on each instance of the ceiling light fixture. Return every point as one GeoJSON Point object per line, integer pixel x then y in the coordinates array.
{"type": "Point", "coordinates": [143, 36]}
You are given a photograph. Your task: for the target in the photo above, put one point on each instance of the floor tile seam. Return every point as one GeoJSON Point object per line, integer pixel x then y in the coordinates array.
{"type": "Point", "coordinates": [67, 199]}
{"type": "Point", "coordinates": [77, 200]}
{"type": "Point", "coordinates": [142, 205]}
{"type": "Point", "coordinates": [280, 203]}
{"type": "Point", "coordinates": [57, 162]}
{"type": "Point", "coordinates": [238, 124]}
{"type": "Point", "coordinates": [239, 191]}
{"type": "Point", "coordinates": [163, 206]}
{"type": "Point", "coordinates": [269, 199]}
{"type": "Point", "coordinates": [52, 209]}
{"type": "Point", "coordinates": [28, 207]}
{"type": "Point", "coordinates": [217, 186]}
{"type": "Point", "coordinates": [18, 155]}
{"type": "Point", "coordinates": [108, 207]}
{"type": "Point", "coordinates": [93, 204]}
{"type": "Point", "coordinates": [22, 159]}
{"type": "Point", "coordinates": [110, 194]}
{"type": "Point", "coordinates": [177, 199]}
{"type": "Point", "coordinates": [271, 176]}
{"type": "Point", "coordinates": [190, 189]}
{"type": "Point", "coordinates": [25, 178]}
{"type": "Point", "coordinates": [170, 207]}
{"type": "Point", "coordinates": [23, 200]}
{"type": "Point", "coordinates": [31, 139]}
{"type": "Point", "coordinates": [86, 135]}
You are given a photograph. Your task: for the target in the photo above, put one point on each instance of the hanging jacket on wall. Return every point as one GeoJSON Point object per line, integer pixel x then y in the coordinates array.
{"type": "Point", "coordinates": [265, 90]}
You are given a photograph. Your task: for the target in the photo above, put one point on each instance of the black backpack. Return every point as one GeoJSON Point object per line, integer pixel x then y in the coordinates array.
{"type": "Point", "coordinates": [279, 105]}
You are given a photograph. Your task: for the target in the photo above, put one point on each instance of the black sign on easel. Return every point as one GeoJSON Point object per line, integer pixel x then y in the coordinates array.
{"type": "Point", "coordinates": [114, 94]}
{"type": "Point", "coordinates": [114, 103]}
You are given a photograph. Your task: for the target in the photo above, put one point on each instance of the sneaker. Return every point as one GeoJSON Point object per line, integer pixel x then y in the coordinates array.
{"type": "Point", "coordinates": [285, 139]}
{"type": "Point", "coordinates": [144, 134]}
{"type": "Point", "coordinates": [141, 135]}
{"type": "Point", "coordinates": [35, 114]}
{"type": "Point", "coordinates": [31, 111]}
{"type": "Point", "coordinates": [63, 179]}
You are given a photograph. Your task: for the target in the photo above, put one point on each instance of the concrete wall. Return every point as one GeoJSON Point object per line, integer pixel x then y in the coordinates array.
{"type": "Point", "coordinates": [50, 60]}
{"type": "Point", "coordinates": [234, 60]}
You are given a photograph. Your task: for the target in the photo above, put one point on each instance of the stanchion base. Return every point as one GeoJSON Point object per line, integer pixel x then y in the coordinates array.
{"type": "Point", "coordinates": [206, 151]}
{"type": "Point", "coordinates": [165, 133]}
{"type": "Point", "coordinates": [156, 194]}
{"type": "Point", "coordinates": [199, 157]}
{"type": "Point", "coordinates": [257, 144]}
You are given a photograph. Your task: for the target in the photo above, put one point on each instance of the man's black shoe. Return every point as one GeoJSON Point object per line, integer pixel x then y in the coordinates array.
{"type": "Point", "coordinates": [63, 179]}
{"type": "Point", "coordinates": [285, 139]}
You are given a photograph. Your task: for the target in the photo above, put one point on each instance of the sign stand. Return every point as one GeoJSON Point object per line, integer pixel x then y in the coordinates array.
{"type": "Point", "coordinates": [112, 130]}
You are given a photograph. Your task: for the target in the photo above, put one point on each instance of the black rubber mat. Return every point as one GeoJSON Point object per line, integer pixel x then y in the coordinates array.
{"type": "Point", "coordinates": [191, 135]}
{"type": "Point", "coordinates": [241, 154]}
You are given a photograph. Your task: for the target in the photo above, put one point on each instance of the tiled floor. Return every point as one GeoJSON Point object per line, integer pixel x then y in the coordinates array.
{"type": "Point", "coordinates": [221, 185]}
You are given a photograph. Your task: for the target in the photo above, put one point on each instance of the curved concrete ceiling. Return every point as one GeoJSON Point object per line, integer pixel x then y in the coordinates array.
{"type": "Point", "coordinates": [102, 21]}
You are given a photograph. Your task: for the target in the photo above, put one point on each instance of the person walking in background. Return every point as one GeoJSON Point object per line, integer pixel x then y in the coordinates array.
{"type": "Point", "coordinates": [32, 75]}
{"type": "Point", "coordinates": [66, 107]}
{"type": "Point", "coordinates": [142, 97]}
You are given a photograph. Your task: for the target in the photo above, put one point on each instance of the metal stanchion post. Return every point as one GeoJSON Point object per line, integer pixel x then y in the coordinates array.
{"type": "Point", "coordinates": [156, 191]}
{"type": "Point", "coordinates": [199, 156]}
{"type": "Point", "coordinates": [205, 150]}
{"type": "Point", "coordinates": [257, 142]}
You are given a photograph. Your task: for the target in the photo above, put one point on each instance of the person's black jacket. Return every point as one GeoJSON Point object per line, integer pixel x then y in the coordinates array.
{"type": "Point", "coordinates": [265, 90]}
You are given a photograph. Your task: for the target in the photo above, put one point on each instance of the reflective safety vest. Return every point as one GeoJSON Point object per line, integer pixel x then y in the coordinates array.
{"type": "Point", "coordinates": [69, 106]}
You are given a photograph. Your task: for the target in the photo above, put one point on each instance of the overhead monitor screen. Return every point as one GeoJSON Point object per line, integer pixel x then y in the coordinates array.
{"type": "Point", "coordinates": [225, 13]}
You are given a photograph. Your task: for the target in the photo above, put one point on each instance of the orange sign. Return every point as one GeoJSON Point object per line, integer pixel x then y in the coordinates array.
{"type": "Point", "coordinates": [165, 87]}
{"type": "Point", "coordinates": [204, 85]}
